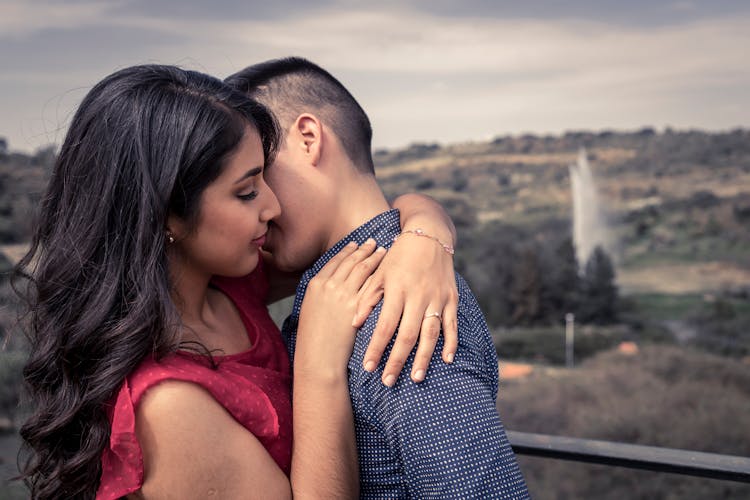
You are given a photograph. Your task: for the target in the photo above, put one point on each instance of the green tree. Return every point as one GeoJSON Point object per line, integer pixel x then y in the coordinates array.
{"type": "Point", "coordinates": [486, 256]}
{"type": "Point", "coordinates": [459, 181]}
{"type": "Point", "coordinates": [564, 287]}
{"type": "Point", "coordinates": [526, 294]}
{"type": "Point", "coordinates": [464, 214]}
{"type": "Point", "coordinates": [599, 297]}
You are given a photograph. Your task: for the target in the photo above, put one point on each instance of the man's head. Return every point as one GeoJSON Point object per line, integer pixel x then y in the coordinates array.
{"type": "Point", "coordinates": [292, 86]}
{"type": "Point", "coordinates": [323, 156]}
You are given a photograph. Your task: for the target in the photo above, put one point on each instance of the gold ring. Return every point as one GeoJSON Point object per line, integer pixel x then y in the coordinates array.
{"type": "Point", "coordinates": [433, 315]}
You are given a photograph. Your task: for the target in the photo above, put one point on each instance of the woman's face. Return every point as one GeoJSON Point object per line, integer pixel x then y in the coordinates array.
{"type": "Point", "coordinates": [232, 218]}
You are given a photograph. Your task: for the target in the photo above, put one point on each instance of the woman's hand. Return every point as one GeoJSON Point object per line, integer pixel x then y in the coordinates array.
{"type": "Point", "coordinates": [416, 279]}
{"type": "Point", "coordinates": [325, 336]}
{"type": "Point", "coordinates": [419, 285]}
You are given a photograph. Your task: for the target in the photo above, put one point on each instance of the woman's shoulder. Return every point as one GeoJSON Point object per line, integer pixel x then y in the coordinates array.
{"type": "Point", "coordinates": [151, 372]}
{"type": "Point", "coordinates": [173, 408]}
{"type": "Point", "coordinates": [178, 438]}
{"type": "Point", "coordinates": [191, 445]}
{"type": "Point", "coordinates": [152, 382]}
{"type": "Point", "coordinates": [186, 396]}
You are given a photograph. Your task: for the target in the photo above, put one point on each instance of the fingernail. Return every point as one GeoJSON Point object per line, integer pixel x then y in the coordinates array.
{"type": "Point", "coordinates": [389, 380]}
{"type": "Point", "coordinates": [380, 250]}
{"type": "Point", "coordinates": [418, 376]}
{"type": "Point", "coordinates": [351, 244]}
{"type": "Point", "coordinates": [370, 366]}
{"type": "Point", "coordinates": [370, 241]}
{"type": "Point", "coordinates": [449, 357]}
{"type": "Point", "coordinates": [354, 320]}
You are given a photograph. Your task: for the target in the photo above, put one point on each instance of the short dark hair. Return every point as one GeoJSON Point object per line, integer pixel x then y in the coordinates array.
{"type": "Point", "coordinates": [293, 85]}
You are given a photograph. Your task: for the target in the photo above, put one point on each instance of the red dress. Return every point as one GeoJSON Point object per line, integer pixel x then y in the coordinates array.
{"type": "Point", "coordinates": [253, 386]}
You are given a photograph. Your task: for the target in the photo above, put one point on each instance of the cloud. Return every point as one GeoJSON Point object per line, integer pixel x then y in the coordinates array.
{"type": "Point", "coordinates": [425, 76]}
{"type": "Point", "coordinates": [24, 18]}
{"type": "Point", "coordinates": [415, 42]}
{"type": "Point", "coordinates": [492, 59]}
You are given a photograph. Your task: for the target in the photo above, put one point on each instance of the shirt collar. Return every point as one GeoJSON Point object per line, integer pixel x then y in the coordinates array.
{"type": "Point", "coordinates": [382, 228]}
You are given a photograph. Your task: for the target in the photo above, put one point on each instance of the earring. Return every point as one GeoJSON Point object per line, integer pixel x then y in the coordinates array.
{"type": "Point", "coordinates": [170, 238]}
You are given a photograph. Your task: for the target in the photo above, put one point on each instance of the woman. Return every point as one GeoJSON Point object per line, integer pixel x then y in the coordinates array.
{"type": "Point", "coordinates": [147, 315]}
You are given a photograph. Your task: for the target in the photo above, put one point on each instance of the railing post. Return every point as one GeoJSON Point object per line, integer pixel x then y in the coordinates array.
{"type": "Point", "coordinates": [569, 339]}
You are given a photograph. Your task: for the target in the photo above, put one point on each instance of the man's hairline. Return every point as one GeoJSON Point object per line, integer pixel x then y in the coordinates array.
{"type": "Point", "coordinates": [264, 93]}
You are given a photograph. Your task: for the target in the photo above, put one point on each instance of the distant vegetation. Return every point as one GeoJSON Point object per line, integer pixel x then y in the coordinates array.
{"type": "Point", "coordinates": [679, 205]}
{"type": "Point", "coordinates": [675, 200]}
{"type": "Point", "coordinates": [23, 179]}
{"type": "Point", "coordinates": [665, 396]}
{"type": "Point", "coordinates": [22, 182]}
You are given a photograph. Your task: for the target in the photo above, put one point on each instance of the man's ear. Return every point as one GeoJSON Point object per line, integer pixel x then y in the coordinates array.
{"type": "Point", "coordinates": [310, 134]}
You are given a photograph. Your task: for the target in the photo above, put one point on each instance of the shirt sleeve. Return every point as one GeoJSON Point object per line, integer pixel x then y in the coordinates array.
{"type": "Point", "coordinates": [447, 430]}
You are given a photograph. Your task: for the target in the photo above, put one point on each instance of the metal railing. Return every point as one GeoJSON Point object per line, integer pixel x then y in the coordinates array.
{"type": "Point", "coordinates": [692, 463]}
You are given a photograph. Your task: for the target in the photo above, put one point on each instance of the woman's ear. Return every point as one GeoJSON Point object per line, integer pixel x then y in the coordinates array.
{"type": "Point", "coordinates": [176, 229]}
{"type": "Point", "coordinates": [310, 132]}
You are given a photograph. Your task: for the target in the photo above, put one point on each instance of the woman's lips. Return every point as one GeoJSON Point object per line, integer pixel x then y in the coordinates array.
{"type": "Point", "coordinates": [260, 241]}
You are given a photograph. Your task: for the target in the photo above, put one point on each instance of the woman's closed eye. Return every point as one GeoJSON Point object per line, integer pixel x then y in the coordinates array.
{"type": "Point", "coordinates": [248, 196]}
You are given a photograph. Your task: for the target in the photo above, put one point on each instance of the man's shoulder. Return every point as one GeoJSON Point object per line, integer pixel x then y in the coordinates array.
{"type": "Point", "coordinates": [468, 305]}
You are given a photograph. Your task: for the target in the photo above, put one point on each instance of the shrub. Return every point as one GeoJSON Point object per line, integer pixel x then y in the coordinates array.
{"type": "Point", "coordinates": [11, 381]}
{"type": "Point", "coordinates": [664, 396]}
{"type": "Point", "coordinates": [547, 345]}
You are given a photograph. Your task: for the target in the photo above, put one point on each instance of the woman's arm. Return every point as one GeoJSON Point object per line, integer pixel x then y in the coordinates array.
{"type": "Point", "coordinates": [324, 462]}
{"type": "Point", "coordinates": [415, 279]}
{"type": "Point", "coordinates": [422, 211]}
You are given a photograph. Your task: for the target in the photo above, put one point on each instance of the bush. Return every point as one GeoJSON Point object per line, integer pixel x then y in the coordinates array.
{"type": "Point", "coordinates": [665, 396]}
{"type": "Point", "coordinates": [547, 345]}
{"type": "Point", "coordinates": [11, 381]}
{"type": "Point", "coordinates": [424, 184]}
{"type": "Point", "coordinates": [723, 326]}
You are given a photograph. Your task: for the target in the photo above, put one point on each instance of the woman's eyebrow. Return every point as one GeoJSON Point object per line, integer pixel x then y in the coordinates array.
{"type": "Point", "coordinates": [250, 173]}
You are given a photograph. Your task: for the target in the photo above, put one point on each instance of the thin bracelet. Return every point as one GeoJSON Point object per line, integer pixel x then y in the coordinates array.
{"type": "Point", "coordinates": [419, 232]}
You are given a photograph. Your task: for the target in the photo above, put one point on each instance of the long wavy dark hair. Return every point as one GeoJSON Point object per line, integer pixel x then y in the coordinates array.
{"type": "Point", "coordinates": [144, 143]}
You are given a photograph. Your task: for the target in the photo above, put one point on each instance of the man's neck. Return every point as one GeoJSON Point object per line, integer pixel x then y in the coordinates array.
{"type": "Point", "coordinates": [359, 201]}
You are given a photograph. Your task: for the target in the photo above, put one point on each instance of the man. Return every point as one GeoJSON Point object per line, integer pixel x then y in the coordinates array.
{"type": "Point", "coordinates": [441, 438]}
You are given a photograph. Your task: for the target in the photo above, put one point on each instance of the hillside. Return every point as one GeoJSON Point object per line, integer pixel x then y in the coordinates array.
{"type": "Point", "coordinates": [678, 202]}
{"type": "Point", "coordinates": [22, 182]}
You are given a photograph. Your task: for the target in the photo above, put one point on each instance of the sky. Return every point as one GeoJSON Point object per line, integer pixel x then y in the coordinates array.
{"type": "Point", "coordinates": [425, 70]}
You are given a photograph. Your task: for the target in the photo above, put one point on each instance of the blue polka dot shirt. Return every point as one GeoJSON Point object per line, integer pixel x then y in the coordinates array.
{"type": "Point", "coordinates": [441, 438]}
